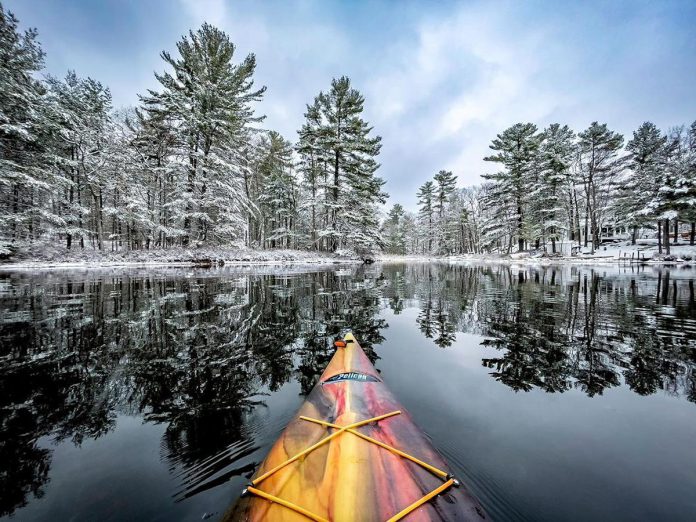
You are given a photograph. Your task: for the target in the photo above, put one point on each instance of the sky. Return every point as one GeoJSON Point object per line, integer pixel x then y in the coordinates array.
{"type": "Point", "coordinates": [440, 78]}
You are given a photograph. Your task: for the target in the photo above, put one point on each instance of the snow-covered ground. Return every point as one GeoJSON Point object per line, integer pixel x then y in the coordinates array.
{"type": "Point", "coordinates": [180, 257]}
{"type": "Point", "coordinates": [644, 252]}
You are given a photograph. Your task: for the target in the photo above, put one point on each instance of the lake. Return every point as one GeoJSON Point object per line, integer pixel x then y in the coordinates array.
{"type": "Point", "coordinates": [555, 393]}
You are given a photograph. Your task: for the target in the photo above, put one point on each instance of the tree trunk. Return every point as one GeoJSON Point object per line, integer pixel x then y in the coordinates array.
{"type": "Point", "coordinates": [334, 239]}
{"type": "Point", "coordinates": [79, 204]}
{"type": "Point", "coordinates": [635, 233]}
{"type": "Point", "coordinates": [666, 236]}
{"type": "Point", "coordinates": [100, 224]}
{"type": "Point", "coordinates": [587, 226]}
{"type": "Point", "coordinates": [676, 231]}
{"type": "Point", "coordinates": [692, 238]}
{"type": "Point", "coordinates": [659, 236]}
{"type": "Point", "coordinates": [520, 239]}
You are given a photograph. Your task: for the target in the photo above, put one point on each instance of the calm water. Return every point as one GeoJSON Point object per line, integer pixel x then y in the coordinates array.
{"type": "Point", "coordinates": [555, 393]}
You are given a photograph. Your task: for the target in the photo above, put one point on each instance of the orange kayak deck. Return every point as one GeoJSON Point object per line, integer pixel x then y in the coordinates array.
{"type": "Point", "coordinates": [349, 478]}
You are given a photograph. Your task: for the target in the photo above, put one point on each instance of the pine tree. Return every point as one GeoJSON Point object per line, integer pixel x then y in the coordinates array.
{"type": "Point", "coordinates": [516, 149]}
{"type": "Point", "coordinates": [554, 206]}
{"type": "Point", "coordinates": [426, 201]}
{"type": "Point", "coordinates": [638, 196]}
{"type": "Point", "coordinates": [352, 188]}
{"type": "Point", "coordinates": [313, 165]}
{"type": "Point", "coordinates": [152, 143]}
{"type": "Point", "coordinates": [445, 184]}
{"type": "Point", "coordinates": [393, 231]}
{"type": "Point", "coordinates": [600, 165]}
{"type": "Point", "coordinates": [409, 225]}
{"type": "Point", "coordinates": [278, 200]}
{"type": "Point", "coordinates": [675, 183]}
{"type": "Point", "coordinates": [83, 108]}
{"type": "Point", "coordinates": [686, 179]}
{"type": "Point", "coordinates": [208, 99]}
{"type": "Point", "coordinates": [23, 162]}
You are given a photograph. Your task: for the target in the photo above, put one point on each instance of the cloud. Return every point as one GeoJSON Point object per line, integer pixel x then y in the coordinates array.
{"type": "Point", "coordinates": [465, 78]}
{"type": "Point", "coordinates": [212, 11]}
{"type": "Point", "coordinates": [440, 79]}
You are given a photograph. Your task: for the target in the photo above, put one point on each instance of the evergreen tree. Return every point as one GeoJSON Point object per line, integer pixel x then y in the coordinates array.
{"type": "Point", "coordinates": [445, 184]}
{"type": "Point", "coordinates": [393, 231]}
{"type": "Point", "coordinates": [686, 178]}
{"type": "Point", "coordinates": [409, 225]}
{"type": "Point", "coordinates": [23, 183]}
{"type": "Point", "coordinates": [600, 165]}
{"type": "Point", "coordinates": [313, 165]}
{"type": "Point", "coordinates": [152, 142]}
{"type": "Point", "coordinates": [426, 201]}
{"type": "Point", "coordinates": [639, 191]}
{"type": "Point", "coordinates": [516, 149]}
{"type": "Point", "coordinates": [278, 200]}
{"type": "Point", "coordinates": [552, 197]}
{"type": "Point", "coordinates": [208, 99]}
{"type": "Point", "coordinates": [352, 188]}
{"type": "Point", "coordinates": [83, 151]}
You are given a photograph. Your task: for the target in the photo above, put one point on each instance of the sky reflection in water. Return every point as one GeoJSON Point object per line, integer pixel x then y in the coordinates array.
{"type": "Point", "coordinates": [557, 393]}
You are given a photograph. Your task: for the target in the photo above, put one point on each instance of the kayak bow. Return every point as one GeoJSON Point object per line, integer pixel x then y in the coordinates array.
{"type": "Point", "coordinates": [352, 453]}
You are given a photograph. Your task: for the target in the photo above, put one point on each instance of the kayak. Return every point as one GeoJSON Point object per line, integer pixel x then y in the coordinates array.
{"type": "Point", "coordinates": [352, 453]}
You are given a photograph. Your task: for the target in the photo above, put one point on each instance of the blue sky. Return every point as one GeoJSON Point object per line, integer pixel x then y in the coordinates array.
{"type": "Point", "coordinates": [440, 78]}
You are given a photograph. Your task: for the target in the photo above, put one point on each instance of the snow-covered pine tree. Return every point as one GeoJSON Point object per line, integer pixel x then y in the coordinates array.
{"type": "Point", "coordinates": [445, 184]}
{"type": "Point", "coordinates": [81, 107]}
{"type": "Point", "coordinates": [516, 149]}
{"type": "Point", "coordinates": [354, 191]}
{"type": "Point", "coordinates": [23, 162]}
{"type": "Point", "coordinates": [313, 165]}
{"type": "Point", "coordinates": [552, 193]}
{"type": "Point", "coordinates": [409, 225]}
{"type": "Point", "coordinates": [209, 100]}
{"type": "Point", "coordinates": [278, 199]}
{"type": "Point", "coordinates": [393, 231]}
{"type": "Point", "coordinates": [676, 183]}
{"type": "Point", "coordinates": [638, 197]}
{"type": "Point", "coordinates": [426, 215]}
{"type": "Point", "coordinates": [154, 166]}
{"type": "Point", "coordinates": [687, 179]}
{"type": "Point", "coordinates": [600, 164]}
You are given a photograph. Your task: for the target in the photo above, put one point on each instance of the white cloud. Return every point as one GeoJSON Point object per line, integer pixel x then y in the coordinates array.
{"type": "Point", "coordinates": [212, 11]}
{"type": "Point", "coordinates": [464, 79]}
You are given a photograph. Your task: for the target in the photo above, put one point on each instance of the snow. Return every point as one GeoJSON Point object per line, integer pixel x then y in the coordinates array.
{"type": "Point", "coordinates": [644, 252]}
{"type": "Point", "coordinates": [182, 257]}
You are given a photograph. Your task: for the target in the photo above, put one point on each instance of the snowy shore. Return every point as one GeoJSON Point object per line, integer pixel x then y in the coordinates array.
{"type": "Point", "coordinates": [205, 257]}
{"type": "Point", "coordinates": [644, 253]}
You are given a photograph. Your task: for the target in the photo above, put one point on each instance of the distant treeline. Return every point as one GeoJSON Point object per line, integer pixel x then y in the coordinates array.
{"type": "Point", "coordinates": [189, 166]}
{"type": "Point", "coordinates": [556, 185]}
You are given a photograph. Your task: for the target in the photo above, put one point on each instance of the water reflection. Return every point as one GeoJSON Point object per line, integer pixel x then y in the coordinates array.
{"type": "Point", "coordinates": [199, 351]}
{"type": "Point", "coordinates": [558, 328]}
{"type": "Point", "coordinates": [194, 352]}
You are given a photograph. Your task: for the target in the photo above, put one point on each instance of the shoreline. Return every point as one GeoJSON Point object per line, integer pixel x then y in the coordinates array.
{"type": "Point", "coordinates": [179, 259]}
{"type": "Point", "coordinates": [241, 258]}
{"type": "Point", "coordinates": [539, 261]}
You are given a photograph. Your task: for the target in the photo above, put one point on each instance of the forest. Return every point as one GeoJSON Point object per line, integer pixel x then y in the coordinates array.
{"type": "Point", "coordinates": [557, 185]}
{"type": "Point", "coordinates": [193, 166]}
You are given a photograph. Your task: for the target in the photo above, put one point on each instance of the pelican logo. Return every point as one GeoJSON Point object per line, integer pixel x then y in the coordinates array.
{"type": "Point", "coordinates": [351, 376]}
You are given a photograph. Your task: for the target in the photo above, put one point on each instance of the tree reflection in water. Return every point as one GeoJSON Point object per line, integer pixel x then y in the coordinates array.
{"type": "Point", "coordinates": [198, 350]}
{"type": "Point", "coordinates": [558, 328]}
